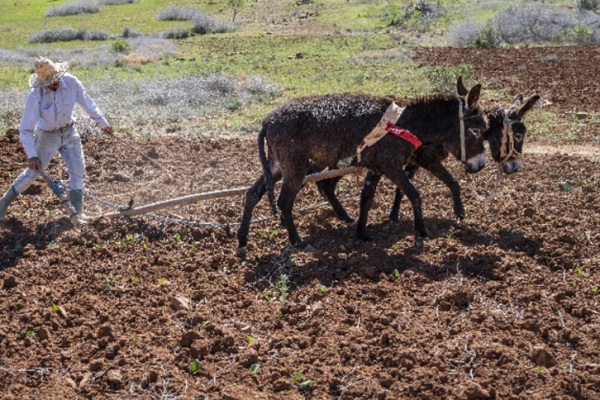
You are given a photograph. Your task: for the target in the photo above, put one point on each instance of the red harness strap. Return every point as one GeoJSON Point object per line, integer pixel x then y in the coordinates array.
{"type": "Point", "coordinates": [403, 134]}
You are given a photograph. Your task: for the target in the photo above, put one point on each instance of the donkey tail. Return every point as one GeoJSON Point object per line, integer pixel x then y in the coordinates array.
{"type": "Point", "coordinates": [268, 176]}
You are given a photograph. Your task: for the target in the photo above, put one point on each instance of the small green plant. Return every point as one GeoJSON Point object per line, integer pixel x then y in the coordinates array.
{"type": "Point", "coordinates": [162, 281]}
{"type": "Point", "coordinates": [283, 288]}
{"type": "Point", "coordinates": [134, 338]}
{"type": "Point", "coordinates": [106, 285]}
{"type": "Point", "coordinates": [194, 367]}
{"type": "Point", "coordinates": [253, 368]}
{"type": "Point", "coordinates": [135, 280]}
{"type": "Point", "coordinates": [29, 334]}
{"type": "Point", "coordinates": [54, 307]}
{"type": "Point", "coordinates": [451, 232]}
{"type": "Point", "coordinates": [540, 370]}
{"type": "Point", "coordinates": [249, 339]}
{"type": "Point", "coordinates": [306, 384]}
{"type": "Point", "coordinates": [570, 368]}
{"type": "Point", "coordinates": [297, 376]}
{"type": "Point", "coordinates": [396, 273]}
{"type": "Point", "coordinates": [121, 46]}
{"type": "Point", "coordinates": [321, 288]}
{"type": "Point", "coordinates": [204, 324]}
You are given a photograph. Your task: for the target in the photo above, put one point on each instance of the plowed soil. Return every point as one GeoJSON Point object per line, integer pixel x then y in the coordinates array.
{"type": "Point", "coordinates": [504, 305]}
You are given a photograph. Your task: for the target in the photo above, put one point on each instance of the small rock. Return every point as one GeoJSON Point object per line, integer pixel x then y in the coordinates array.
{"type": "Point", "coordinates": [106, 331]}
{"type": "Point", "coordinates": [188, 338]}
{"type": "Point", "coordinates": [529, 212]}
{"type": "Point", "coordinates": [85, 380]}
{"type": "Point", "coordinates": [114, 378]}
{"type": "Point", "coordinates": [475, 392]}
{"type": "Point", "coordinates": [282, 384]}
{"type": "Point", "coordinates": [43, 334]}
{"type": "Point", "coordinates": [309, 249]}
{"type": "Point", "coordinates": [71, 383]}
{"type": "Point", "coordinates": [9, 282]}
{"type": "Point", "coordinates": [179, 303]}
{"type": "Point", "coordinates": [96, 365]}
{"type": "Point", "coordinates": [62, 312]}
{"type": "Point", "coordinates": [542, 357]}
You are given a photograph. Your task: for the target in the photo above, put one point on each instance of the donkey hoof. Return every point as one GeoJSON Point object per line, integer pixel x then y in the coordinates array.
{"type": "Point", "coordinates": [365, 237]}
{"type": "Point", "coordinates": [242, 252]}
{"type": "Point", "coordinates": [394, 218]}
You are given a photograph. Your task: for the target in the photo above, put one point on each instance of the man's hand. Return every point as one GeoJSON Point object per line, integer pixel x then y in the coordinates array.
{"type": "Point", "coordinates": [108, 130]}
{"type": "Point", "coordinates": [35, 164]}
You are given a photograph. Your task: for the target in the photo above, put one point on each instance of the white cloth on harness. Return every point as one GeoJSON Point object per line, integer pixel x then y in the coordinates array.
{"type": "Point", "coordinates": [65, 141]}
{"type": "Point", "coordinates": [391, 115]}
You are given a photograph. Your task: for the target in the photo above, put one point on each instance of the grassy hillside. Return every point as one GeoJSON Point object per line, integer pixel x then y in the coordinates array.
{"type": "Point", "coordinates": [300, 46]}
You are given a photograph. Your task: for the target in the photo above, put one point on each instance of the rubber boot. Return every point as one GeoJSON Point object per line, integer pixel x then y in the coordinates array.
{"type": "Point", "coordinates": [8, 198]}
{"type": "Point", "coordinates": [76, 199]}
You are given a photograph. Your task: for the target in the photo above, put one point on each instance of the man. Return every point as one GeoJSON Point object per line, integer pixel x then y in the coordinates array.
{"type": "Point", "coordinates": [49, 111]}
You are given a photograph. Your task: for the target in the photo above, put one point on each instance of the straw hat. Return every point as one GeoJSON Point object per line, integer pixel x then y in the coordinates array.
{"type": "Point", "coordinates": [46, 72]}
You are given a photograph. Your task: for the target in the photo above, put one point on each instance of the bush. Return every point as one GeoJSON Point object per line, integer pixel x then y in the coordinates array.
{"type": "Point", "coordinates": [588, 5]}
{"type": "Point", "coordinates": [205, 23]}
{"type": "Point", "coordinates": [178, 13]}
{"type": "Point", "coordinates": [96, 35]}
{"type": "Point", "coordinates": [582, 34]}
{"type": "Point", "coordinates": [121, 46]}
{"type": "Point", "coordinates": [176, 33]}
{"type": "Point", "coordinates": [129, 33]}
{"type": "Point", "coordinates": [70, 8]}
{"type": "Point", "coordinates": [116, 2]}
{"type": "Point", "coordinates": [465, 33]}
{"type": "Point", "coordinates": [58, 35]}
{"type": "Point", "coordinates": [443, 78]}
{"type": "Point", "coordinates": [531, 25]}
{"type": "Point", "coordinates": [487, 38]}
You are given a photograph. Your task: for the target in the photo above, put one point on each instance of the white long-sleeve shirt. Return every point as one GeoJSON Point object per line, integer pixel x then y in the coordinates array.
{"type": "Point", "coordinates": [51, 110]}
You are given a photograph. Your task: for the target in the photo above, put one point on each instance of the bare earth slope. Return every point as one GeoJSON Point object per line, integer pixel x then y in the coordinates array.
{"type": "Point", "coordinates": [505, 305]}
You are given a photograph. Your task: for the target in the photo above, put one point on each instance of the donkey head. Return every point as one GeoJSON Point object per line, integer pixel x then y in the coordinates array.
{"type": "Point", "coordinates": [473, 124]}
{"type": "Point", "coordinates": [506, 131]}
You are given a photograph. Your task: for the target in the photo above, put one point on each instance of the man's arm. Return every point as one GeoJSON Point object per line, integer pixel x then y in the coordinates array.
{"type": "Point", "coordinates": [31, 115]}
{"type": "Point", "coordinates": [86, 102]}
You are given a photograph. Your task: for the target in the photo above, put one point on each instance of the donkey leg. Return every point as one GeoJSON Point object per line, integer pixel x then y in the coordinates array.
{"type": "Point", "coordinates": [253, 196]}
{"type": "Point", "coordinates": [327, 189]}
{"type": "Point", "coordinates": [366, 201]}
{"type": "Point", "coordinates": [410, 171]}
{"type": "Point", "coordinates": [414, 197]}
{"type": "Point", "coordinates": [286, 204]}
{"type": "Point", "coordinates": [440, 172]}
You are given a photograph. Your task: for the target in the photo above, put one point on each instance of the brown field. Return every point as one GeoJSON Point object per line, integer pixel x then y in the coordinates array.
{"type": "Point", "coordinates": [503, 306]}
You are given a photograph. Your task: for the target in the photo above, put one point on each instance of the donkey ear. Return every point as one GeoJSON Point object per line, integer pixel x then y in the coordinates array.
{"type": "Point", "coordinates": [460, 88]}
{"type": "Point", "coordinates": [518, 100]}
{"type": "Point", "coordinates": [473, 96]}
{"type": "Point", "coordinates": [527, 106]}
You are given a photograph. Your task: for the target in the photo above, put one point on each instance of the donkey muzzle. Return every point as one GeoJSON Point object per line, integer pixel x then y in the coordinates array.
{"type": "Point", "coordinates": [512, 165]}
{"type": "Point", "coordinates": [476, 163]}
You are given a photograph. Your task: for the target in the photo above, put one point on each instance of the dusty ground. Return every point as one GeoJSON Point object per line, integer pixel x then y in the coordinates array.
{"type": "Point", "coordinates": [504, 306]}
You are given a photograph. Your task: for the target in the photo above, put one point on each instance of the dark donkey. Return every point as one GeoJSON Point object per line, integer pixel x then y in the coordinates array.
{"type": "Point", "coordinates": [320, 131]}
{"type": "Point", "coordinates": [505, 135]}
